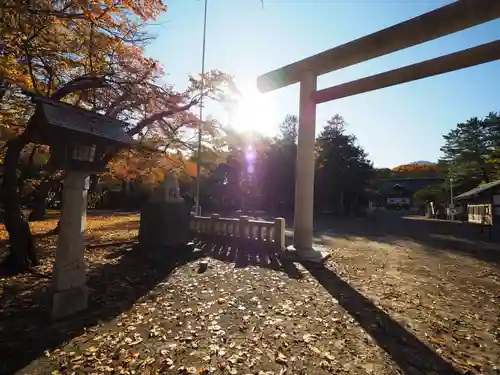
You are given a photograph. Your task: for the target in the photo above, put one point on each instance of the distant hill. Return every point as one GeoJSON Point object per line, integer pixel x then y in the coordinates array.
{"type": "Point", "coordinates": [421, 162]}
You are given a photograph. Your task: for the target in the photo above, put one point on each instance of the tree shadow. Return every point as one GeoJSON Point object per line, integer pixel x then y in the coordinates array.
{"type": "Point", "coordinates": [252, 253]}
{"type": "Point", "coordinates": [100, 212]}
{"type": "Point", "coordinates": [411, 354]}
{"type": "Point", "coordinates": [26, 329]}
{"type": "Point", "coordinates": [95, 241]}
{"type": "Point", "coordinates": [36, 236]}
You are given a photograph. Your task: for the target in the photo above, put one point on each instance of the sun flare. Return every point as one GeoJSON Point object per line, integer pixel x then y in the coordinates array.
{"type": "Point", "coordinates": [253, 112]}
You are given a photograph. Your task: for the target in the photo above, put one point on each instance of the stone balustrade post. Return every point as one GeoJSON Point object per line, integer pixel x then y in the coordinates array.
{"type": "Point", "coordinates": [214, 220]}
{"type": "Point", "coordinates": [242, 235]}
{"type": "Point", "coordinates": [279, 233]}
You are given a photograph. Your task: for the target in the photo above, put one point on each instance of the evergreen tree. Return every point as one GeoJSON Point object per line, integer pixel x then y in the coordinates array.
{"type": "Point", "coordinates": [471, 150]}
{"type": "Point", "coordinates": [342, 168]}
{"type": "Point", "coordinates": [278, 182]}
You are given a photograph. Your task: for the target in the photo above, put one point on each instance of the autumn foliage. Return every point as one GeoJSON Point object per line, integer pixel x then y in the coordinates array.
{"type": "Point", "coordinates": [91, 54]}
{"type": "Point", "coordinates": [148, 169]}
{"type": "Point", "coordinates": [417, 170]}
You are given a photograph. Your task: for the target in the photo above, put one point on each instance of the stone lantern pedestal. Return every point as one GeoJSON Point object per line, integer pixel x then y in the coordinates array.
{"type": "Point", "coordinates": [68, 278]}
{"type": "Point", "coordinates": [164, 219]}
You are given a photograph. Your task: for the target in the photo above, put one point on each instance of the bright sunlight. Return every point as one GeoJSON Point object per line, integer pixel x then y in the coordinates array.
{"type": "Point", "coordinates": [254, 112]}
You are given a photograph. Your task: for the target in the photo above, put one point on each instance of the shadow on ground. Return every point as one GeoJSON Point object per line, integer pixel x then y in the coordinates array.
{"type": "Point", "coordinates": [432, 235]}
{"type": "Point", "coordinates": [411, 354]}
{"type": "Point", "coordinates": [252, 254]}
{"type": "Point", "coordinates": [26, 331]}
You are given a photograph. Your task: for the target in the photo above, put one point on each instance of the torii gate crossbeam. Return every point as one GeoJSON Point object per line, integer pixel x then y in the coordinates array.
{"type": "Point", "coordinates": [457, 16]}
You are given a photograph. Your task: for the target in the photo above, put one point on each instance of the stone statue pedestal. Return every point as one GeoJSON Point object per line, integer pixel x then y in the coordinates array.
{"type": "Point", "coordinates": [163, 224]}
{"type": "Point", "coordinates": [164, 219]}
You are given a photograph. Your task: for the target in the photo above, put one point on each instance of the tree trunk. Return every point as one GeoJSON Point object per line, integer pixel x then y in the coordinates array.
{"type": "Point", "coordinates": [56, 229]}
{"type": "Point", "coordinates": [39, 205]}
{"type": "Point", "coordinates": [40, 201]}
{"type": "Point", "coordinates": [94, 182]}
{"type": "Point", "coordinates": [22, 248]}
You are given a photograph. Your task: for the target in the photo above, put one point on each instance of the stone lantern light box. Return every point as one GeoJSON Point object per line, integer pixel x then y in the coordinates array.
{"type": "Point", "coordinates": [79, 139]}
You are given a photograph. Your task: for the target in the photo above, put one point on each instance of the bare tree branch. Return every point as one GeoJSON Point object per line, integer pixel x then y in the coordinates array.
{"type": "Point", "coordinates": [120, 103]}
{"type": "Point", "coordinates": [29, 59]}
{"type": "Point", "coordinates": [158, 116]}
{"type": "Point", "coordinates": [46, 12]}
{"type": "Point", "coordinates": [80, 83]}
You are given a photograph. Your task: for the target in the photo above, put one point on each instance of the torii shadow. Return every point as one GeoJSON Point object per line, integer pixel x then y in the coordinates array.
{"type": "Point", "coordinates": [411, 354]}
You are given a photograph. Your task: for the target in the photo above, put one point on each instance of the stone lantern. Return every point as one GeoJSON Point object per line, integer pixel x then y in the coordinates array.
{"type": "Point", "coordinates": [81, 142]}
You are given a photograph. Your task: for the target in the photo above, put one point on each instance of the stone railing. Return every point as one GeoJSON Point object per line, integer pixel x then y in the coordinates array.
{"type": "Point", "coordinates": [243, 231]}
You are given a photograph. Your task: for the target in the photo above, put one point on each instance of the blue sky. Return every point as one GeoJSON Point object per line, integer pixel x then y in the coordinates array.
{"type": "Point", "coordinates": [395, 125]}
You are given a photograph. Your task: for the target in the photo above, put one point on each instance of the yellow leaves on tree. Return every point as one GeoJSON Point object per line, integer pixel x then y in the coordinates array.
{"type": "Point", "coordinates": [190, 168]}
{"type": "Point", "coordinates": [104, 9]}
{"type": "Point", "coordinates": [12, 71]}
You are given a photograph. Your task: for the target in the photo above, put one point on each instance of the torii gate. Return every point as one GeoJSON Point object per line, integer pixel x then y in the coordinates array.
{"type": "Point", "coordinates": [457, 16]}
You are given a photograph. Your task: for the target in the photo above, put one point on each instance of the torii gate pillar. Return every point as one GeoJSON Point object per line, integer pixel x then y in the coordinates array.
{"type": "Point", "coordinates": [451, 18]}
{"type": "Point", "coordinates": [304, 180]}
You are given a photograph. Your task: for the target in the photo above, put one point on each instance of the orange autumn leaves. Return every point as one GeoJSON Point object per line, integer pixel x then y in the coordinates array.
{"type": "Point", "coordinates": [45, 39]}
{"type": "Point", "coordinates": [105, 9]}
{"type": "Point", "coordinates": [149, 168]}
{"type": "Point", "coordinates": [417, 170]}
{"type": "Point", "coordinates": [48, 45]}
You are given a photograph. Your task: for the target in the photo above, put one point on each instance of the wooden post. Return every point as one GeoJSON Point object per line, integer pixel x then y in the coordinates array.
{"type": "Point", "coordinates": [192, 224]}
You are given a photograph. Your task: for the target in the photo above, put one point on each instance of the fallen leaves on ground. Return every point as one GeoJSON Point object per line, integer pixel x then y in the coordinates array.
{"type": "Point", "coordinates": [225, 321]}
{"type": "Point", "coordinates": [448, 298]}
{"type": "Point", "coordinates": [101, 230]}
{"type": "Point", "coordinates": [145, 319]}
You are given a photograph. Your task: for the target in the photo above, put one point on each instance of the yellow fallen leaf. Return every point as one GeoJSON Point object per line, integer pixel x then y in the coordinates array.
{"type": "Point", "coordinates": [437, 340]}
